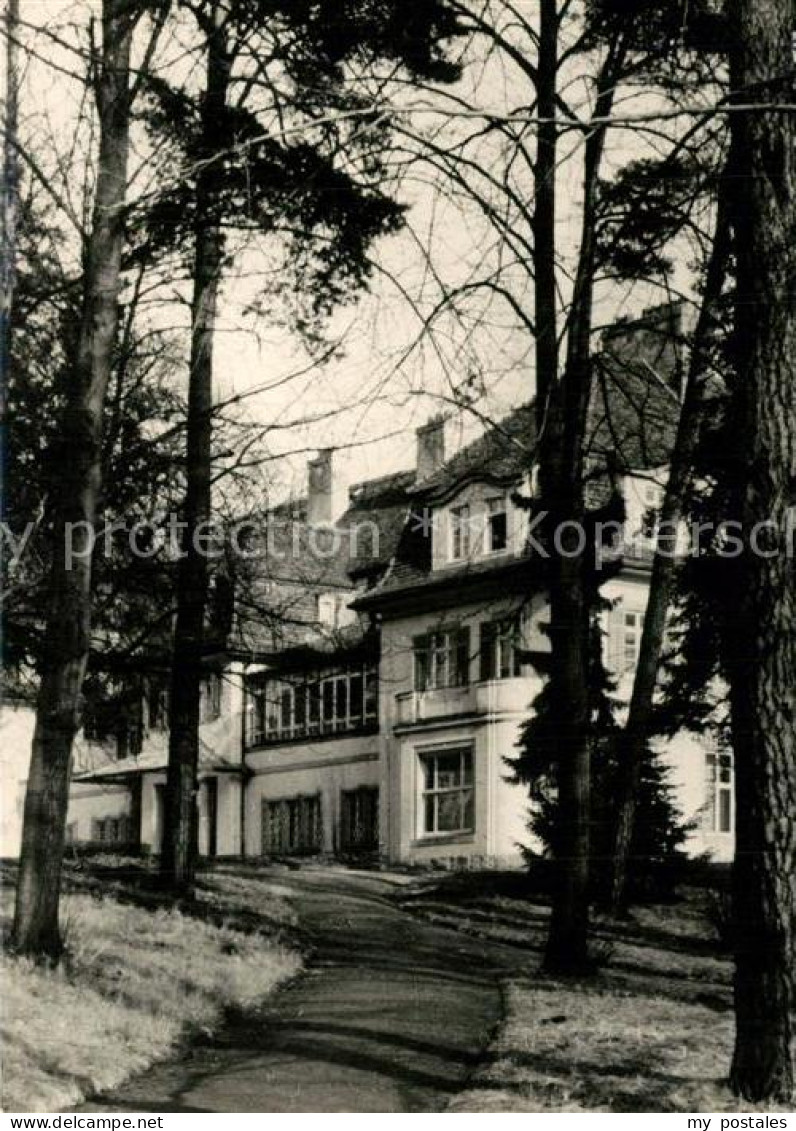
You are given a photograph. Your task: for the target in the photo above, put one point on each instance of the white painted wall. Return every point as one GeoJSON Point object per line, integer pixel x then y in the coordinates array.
{"type": "Point", "coordinates": [86, 804]}
{"type": "Point", "coordinates": [475, 495]}
{"type": "Point", "coordinates": [501, 808]}
{"type": "Point", "coordinates": [89, 803]}
{"type": "Point", "coordinates": [327, 767]}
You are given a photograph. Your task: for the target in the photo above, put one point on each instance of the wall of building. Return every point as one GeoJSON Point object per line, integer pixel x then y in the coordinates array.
{"type": "Point", "coordinates": [297, 769]}
{"type": "Point", "coordinates": [228, 814]}
{"type": "Point", "coordinates": [16, 734]}
{"type": "Point", "coordinates": [152, 787]}
{"type": "Point", "coordinates": [685, 757]}
{"type": "Point", "coordinates": [86, 804]}
{"type": "Point", "coordinates": [489, 716]}
{"type": "Point", "coordinates": [224, 735]}
{"type": "Point", "coordinates": [228, 830]}
{"type": "Point", "coordinates": [476, 496]}
{"type": "Point", "coordinates": [500, 807]}
{"type": "Point", "coordinates": [89, 803]}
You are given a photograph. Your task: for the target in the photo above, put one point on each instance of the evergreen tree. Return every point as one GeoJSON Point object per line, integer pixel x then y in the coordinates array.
{"type": "Point", "coordinates": [658, 832]}
{"type": "Point", "coordinates": [285, 139]}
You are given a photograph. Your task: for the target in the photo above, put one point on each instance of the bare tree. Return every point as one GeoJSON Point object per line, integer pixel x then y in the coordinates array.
{"type": "Point", "coordinates": [637, 728]}
{"type": "Point", "coordinates": [10, 186]}
{"type": "Point", "coordinates": [291, 134]}
{"type": "Point", "coordinates": [565, 69]}
{"type": "Point", "coordinates": [178, 855]}
{"type": "Point", "coordinates": [63, 666]}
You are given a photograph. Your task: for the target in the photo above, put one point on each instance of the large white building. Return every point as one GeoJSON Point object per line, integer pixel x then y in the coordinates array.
{"type": "Point", "coordinates": [373, 678]}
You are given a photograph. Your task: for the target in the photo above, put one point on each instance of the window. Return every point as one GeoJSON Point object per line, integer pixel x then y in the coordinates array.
{"type": "Point", "coordinates": [497, 525]}
{"type": "Point", "coordinates": [447, 802]}
{"type": "Point", "coordinates": [442, 659]}
{"type": "Point", "coordinates": [632, 624]}
{"type": "Point", "coordinates": [210, 706]}
{"type": "Point", "coordinates": [719, 785]}
{"type": "Point", "coordinates": [111, 830]}
{"type": "Point", "coordinates": [327, 609]}
{"type": "Point", "coordinates": [359, 819]}
{"type": "Point", "coordinates": [292, 825]}
{"type": "Point", "coordinates": [281, 709]}
{"type": "Point", "coordinates": [649, 523]}
{"type": "Point", "coordinates": [499, 650]}
{"type": "Point", "coordinates": [460, 532]}
{"type": "Point", "coordinates": [158, 706]}
{"type": "Point", "coordinates": [648, 504]}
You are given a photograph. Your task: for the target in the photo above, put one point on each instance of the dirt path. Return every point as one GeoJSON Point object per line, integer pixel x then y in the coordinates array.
{"type": "Point", "coordinates": [391, 1015]}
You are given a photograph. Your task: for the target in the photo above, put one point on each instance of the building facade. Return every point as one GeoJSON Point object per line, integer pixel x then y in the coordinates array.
{"type": "Point", "coordinates": [365, 703]}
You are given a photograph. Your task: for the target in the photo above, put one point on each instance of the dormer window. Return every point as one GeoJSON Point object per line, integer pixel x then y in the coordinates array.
{"type": "Point", "coordinates": [460, 532]}
{"type": "Point", "coordinates": [497, 525]}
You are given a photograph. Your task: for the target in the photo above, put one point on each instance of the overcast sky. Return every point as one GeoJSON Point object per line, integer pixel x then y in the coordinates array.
{"type": "Point", "coordinates": [384, 382]}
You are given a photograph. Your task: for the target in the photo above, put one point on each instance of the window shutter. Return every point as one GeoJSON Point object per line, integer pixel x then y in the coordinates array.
{"type": "Point", "coordinates": [486, 651]}
{"type": "Point", "coordinates": [463, 656]}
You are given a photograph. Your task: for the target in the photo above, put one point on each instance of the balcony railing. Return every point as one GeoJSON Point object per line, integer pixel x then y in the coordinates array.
{"type": "Point", "coordinates": [491, 697]}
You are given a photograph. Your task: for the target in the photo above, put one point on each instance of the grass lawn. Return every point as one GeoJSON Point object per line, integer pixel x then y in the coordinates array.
{"type": "Point", "coordinates": [136, 981]}
{"type": "Point", "coordinates": [652, 1031]}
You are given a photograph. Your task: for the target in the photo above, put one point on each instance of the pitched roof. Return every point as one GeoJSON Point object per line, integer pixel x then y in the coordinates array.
{"type": "Point", "coordinates": [276, 602]}
{"type": "Point", "coordinates": [374, 520]}
{"type": "Point", "coordinates": [154, 759]}
{"type": "Point", "coordinates": [632, 422]}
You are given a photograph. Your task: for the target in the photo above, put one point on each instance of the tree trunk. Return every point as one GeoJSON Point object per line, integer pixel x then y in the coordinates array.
{"type": "Point", "coordinates": [562, 479]}
{"type": "Point", "coordinates": [178, 859]}
{"type": "Point", "coordinates": [544, 217]}
{"type": "Point", "coordinates": [10, 188]}
{"type": "Point", "coordinates": [636, 731]}
{"type": "Point", "coordinates": [761, 632]}
{"type": "Point", "coordinates": [74, 504]}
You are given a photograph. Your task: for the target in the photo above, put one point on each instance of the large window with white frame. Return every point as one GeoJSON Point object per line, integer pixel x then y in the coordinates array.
{"type": "Point", "coordinates": [310, 705]}
{"type": "Point", "coordinates": [719, 806]}
{"type": "Point", "coordinates": [632, 627]}
{"type": "Point", "coordinates": [623, 639]}
{"type": "Point", "coordinates": [447, 791]}
{"type": "Point", "coordinates": [460, 532]}
{"type": "Point", "coordinates": [500, 649]}
{"type": "Point", "coordinates": [442, 659]}
{"type": "Point", "coordinates": [210, 697]}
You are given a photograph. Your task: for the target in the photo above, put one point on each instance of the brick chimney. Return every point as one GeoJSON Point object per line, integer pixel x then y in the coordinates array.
{"type": "Point", "coordinates": [319, 488]}
{"type": "Point", "coordinates": [430, 446]}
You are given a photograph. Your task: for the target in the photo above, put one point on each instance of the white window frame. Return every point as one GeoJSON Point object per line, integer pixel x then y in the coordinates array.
{"type": "Point", "coordinates": [268, 723]}
{"type": "Point", "coordinates": [720, 783]}
{"type": "Point", "coordinates": [327, 609]}
{"type": "Point", "coordinates": [496, 505]}
{"type": "Point", "coordinates": [211, 697]}
{"type": "Point", "coordinates": [442, 659]}
{"type": "Point", "coordinates": [466, 785]}
{"type": "Point", "coordinates": [460, 532]}
{"type": "Point", "coordinates": [632, 628]}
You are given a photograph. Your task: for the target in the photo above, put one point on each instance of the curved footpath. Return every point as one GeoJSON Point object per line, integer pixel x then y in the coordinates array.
{"type": "Point", "coordinates": [391, 1014]}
